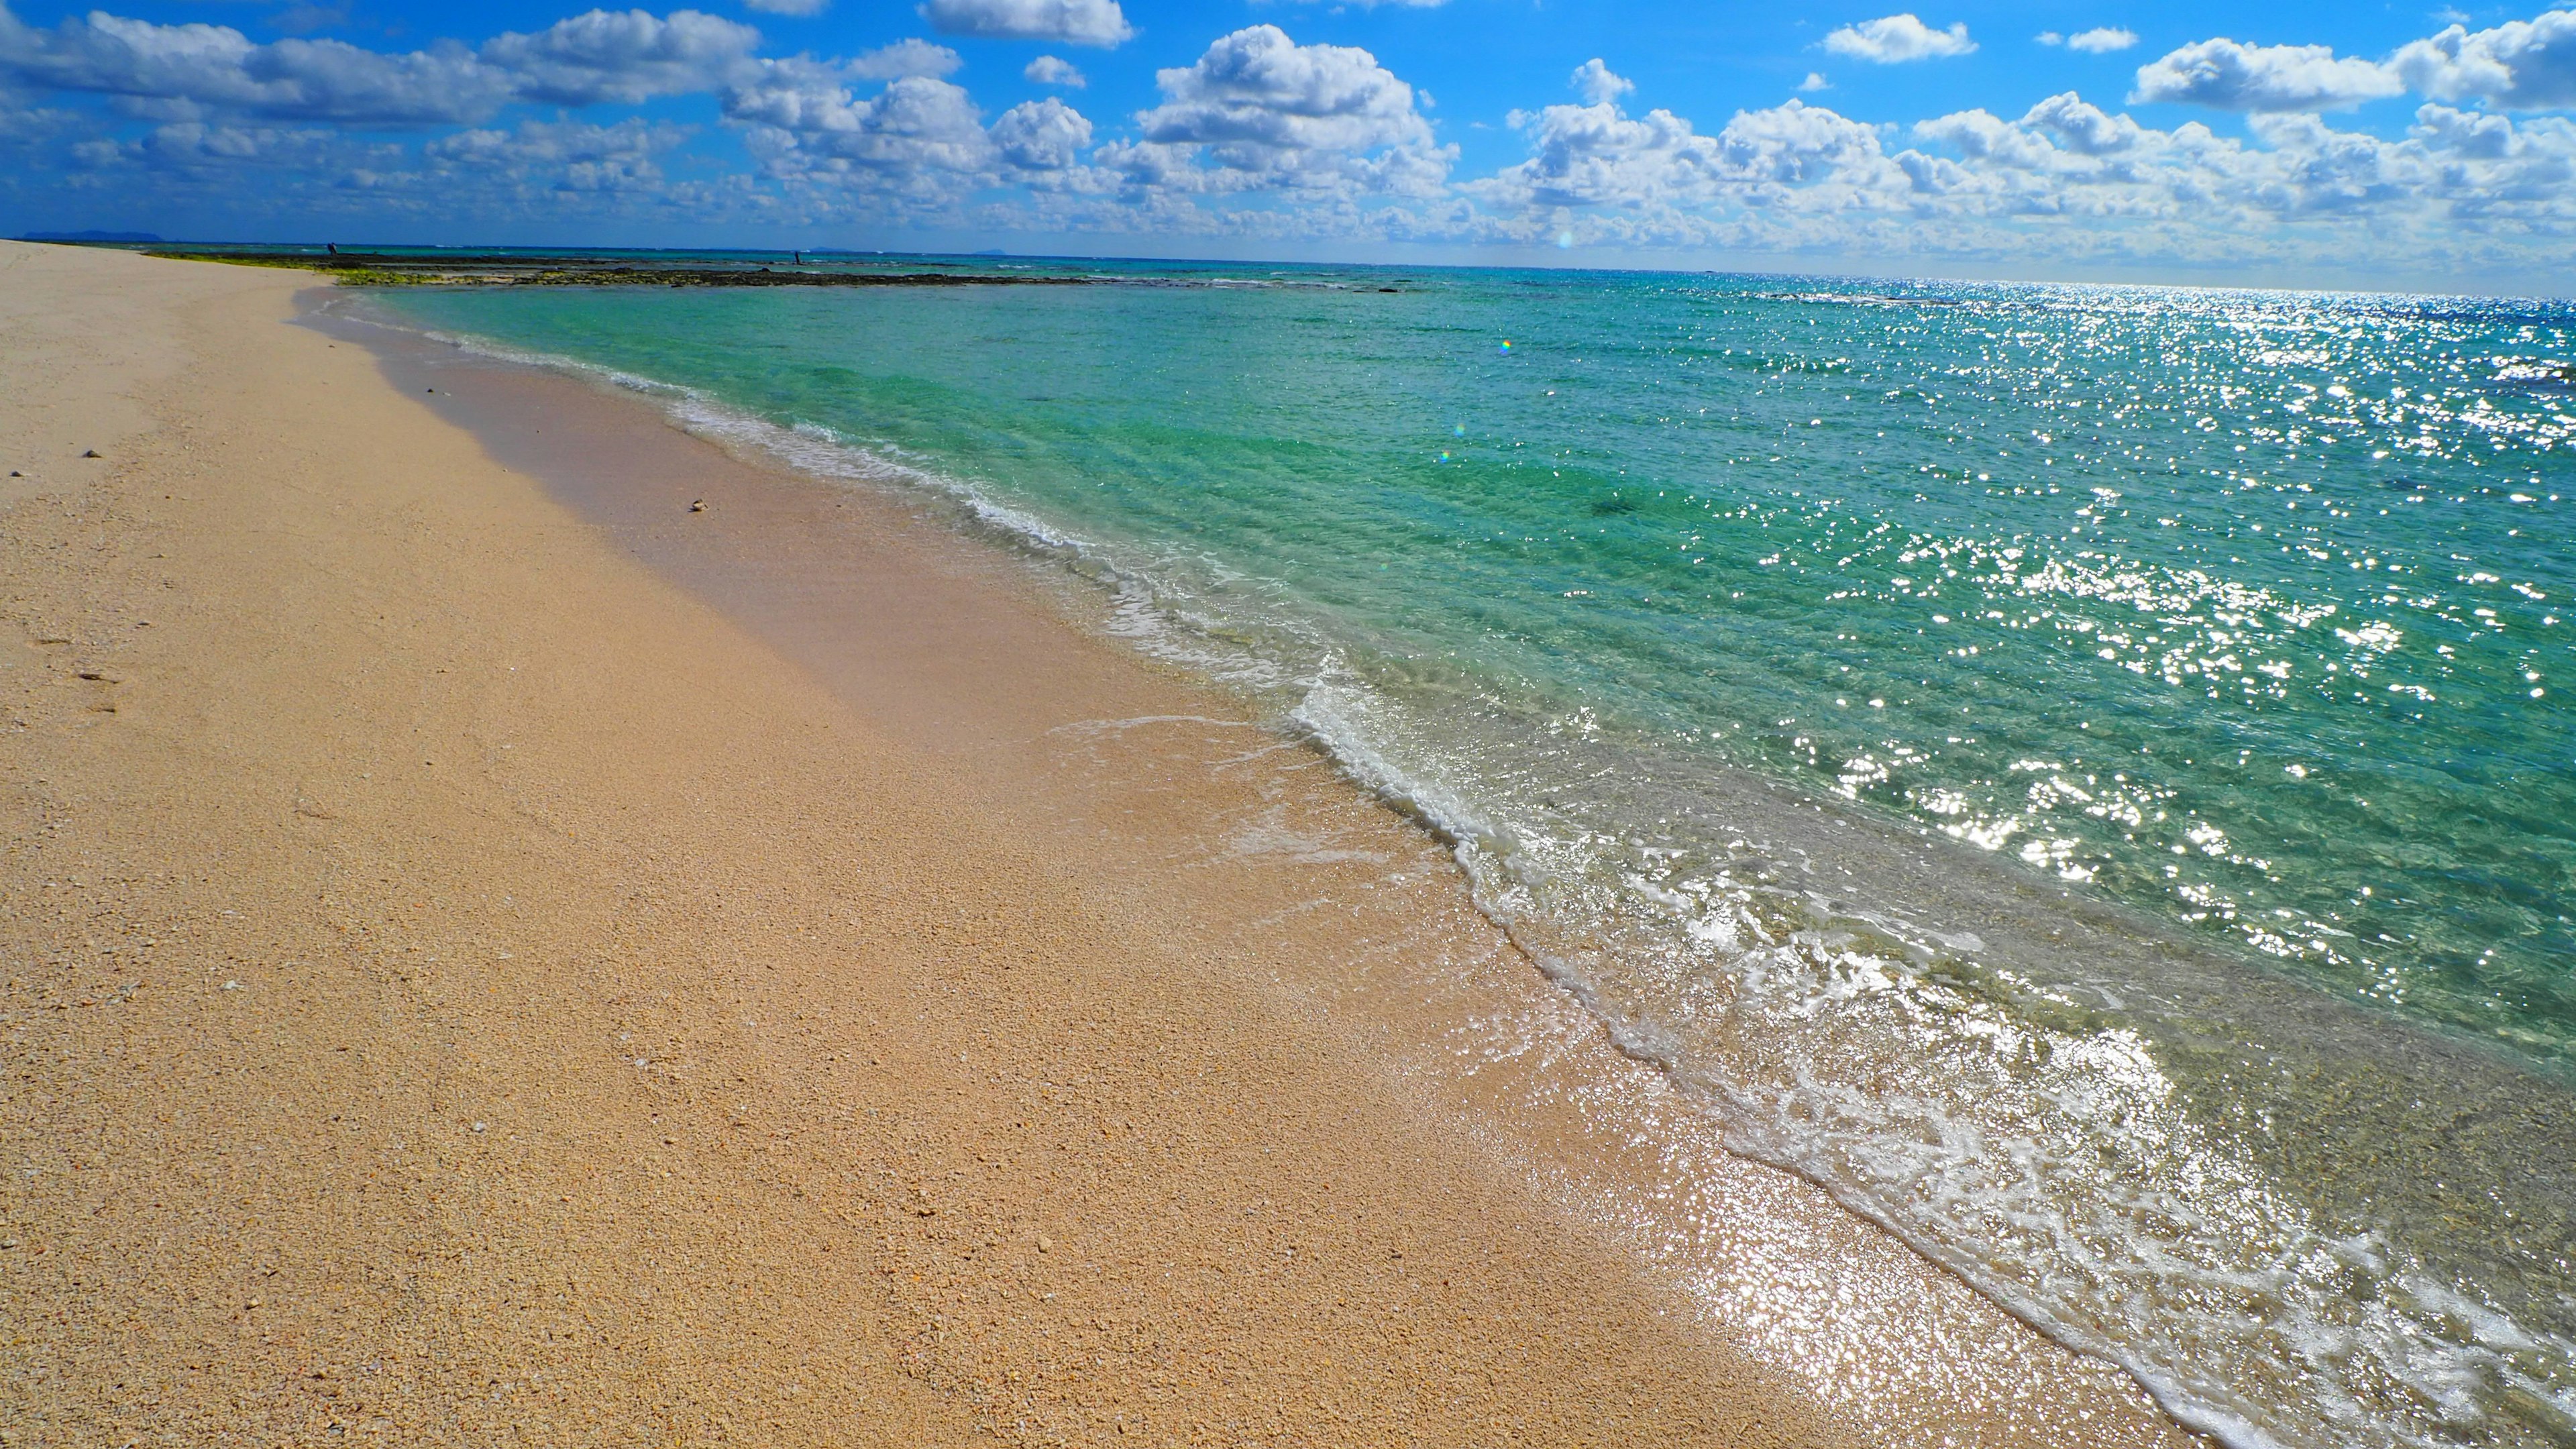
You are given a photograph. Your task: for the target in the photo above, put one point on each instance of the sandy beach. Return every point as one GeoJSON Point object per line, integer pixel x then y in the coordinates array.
{"type": "Point", "coordinates": [494, 955]}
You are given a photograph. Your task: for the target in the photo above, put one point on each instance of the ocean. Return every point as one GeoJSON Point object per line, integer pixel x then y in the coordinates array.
{"type": "Point", "coordinates": [2084, 774]}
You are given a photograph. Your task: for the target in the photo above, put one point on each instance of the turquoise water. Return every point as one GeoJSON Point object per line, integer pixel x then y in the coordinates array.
{"type": "Point", "coordinates": [2086, 774]}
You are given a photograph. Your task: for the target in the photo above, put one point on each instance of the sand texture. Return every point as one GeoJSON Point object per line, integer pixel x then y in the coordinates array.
{"type": "Point", "coordinates": [485, 965]}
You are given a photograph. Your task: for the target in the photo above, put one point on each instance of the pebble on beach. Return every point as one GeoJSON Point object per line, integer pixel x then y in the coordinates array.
{"type": "Point", "coordinates": [697, 505]}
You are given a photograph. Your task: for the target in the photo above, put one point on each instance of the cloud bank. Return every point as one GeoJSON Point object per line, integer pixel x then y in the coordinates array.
{"type": "Point", "coordinates": [2524, 65]}
{"type": "Point", "coordinates": [1262, 137]}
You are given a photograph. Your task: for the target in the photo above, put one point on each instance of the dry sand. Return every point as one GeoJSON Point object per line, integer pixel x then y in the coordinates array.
{"type": "Point", "coordinates": [498, 961]}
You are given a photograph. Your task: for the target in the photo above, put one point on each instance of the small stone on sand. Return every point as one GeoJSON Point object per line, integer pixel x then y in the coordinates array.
{"type": "Point", "coordinates": [697, 505]}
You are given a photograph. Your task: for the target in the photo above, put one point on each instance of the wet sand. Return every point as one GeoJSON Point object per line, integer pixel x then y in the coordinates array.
{"type": "Point", "coordinates": [495, 955]}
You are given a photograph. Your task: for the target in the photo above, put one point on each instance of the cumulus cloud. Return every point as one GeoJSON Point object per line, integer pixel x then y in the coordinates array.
{"type": "Point", "coordinates": [1598, 156]}
{"type": "Point", "coordinates": [562, 155]}
{"type": "Point", "coordinates": [2084, 128]}
{"type": "Point", "coordinates": [628, 56]}
{"type": "Point", "coordinates": [1658, 166]}
{"type": "Point", "coordinates": [533, 169]}
{"type": "Point", "coordinates": [2101, 40]}
{"type": "Point", "coordinates": [1815, 81]}
{"type": "Point", "coordinates": [918, 135]}
{"type": "Point", "coordinates": [2520, 65]}
{"type": "Point", "coordinates": [2455, 172]}
{"type": "Point", "coordinates": [2065, 178]}
{"type": "Point", "coordinates": [1891, 39]}
{"type": "Point", "coordinates": [1042, 135]}
{"type": "Point", "coordinates": [1597, 84]}
{"type": "Point", "coordinates": [196, 149]}
{"type": "Point", "coordinates": [599, 56]}
{"type": "Point", "coordinates": [1795, 143]}
{"type": "Point", "coordinates": [1261, 137]}
{"type": "Point", "coordinates": [1051, 70]}
{"type": "Point", "coordinates": [920, 142]}
{"type": "Point", "coordinates": [1074, 22]}
{"type": "Point", "coordinates": [2226, 76]}
{"type": "Point", "coordinates": [904, 57]}
{"type": "Point", "coordinates": [1270, 113]}
{"type": "Point", "coordinates": [21, 123]}
{"type": "Point", "coordinates": [197, 65]}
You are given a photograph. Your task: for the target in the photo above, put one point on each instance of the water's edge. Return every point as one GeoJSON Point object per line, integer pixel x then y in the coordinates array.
{"type": "Point", "coordinates": [1886, 894]}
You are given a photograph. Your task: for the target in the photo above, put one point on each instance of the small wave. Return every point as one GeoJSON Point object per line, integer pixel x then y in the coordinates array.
{"type": "Point", "coordinates": [2541, 372]}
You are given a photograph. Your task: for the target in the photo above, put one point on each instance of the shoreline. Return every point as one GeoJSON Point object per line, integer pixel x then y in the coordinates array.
{"type": "Point", "coordinates": [2318, 1120]}
{"type": "Point", "coordinates": [1182, 1037]}
{"type": "Point", "coordinates": [776, 550]}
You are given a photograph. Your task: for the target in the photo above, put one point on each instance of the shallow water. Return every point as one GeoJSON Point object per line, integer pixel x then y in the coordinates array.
{"type": "Point", "coordinates": [2084, 774]}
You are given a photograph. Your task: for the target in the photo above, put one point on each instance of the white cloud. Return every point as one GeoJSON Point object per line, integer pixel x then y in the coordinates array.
{"type": "Point", "coordinates": [1273, 114]}
{"type": "Point", "coordinates": [213, 150]}
{"type": "Point", "coordinates": [919, 135]}
{"type": "Point", "coordinates": [919, 143]}
{"type": "Point", "coordinates": [1261, 137]}
{"type": "Point", "coordinates": [2226, 76]}
{"type": "Point", "coordinates": [1075, 22]}
{"type": "Point", "coordinates": [904, 57]}
{"type": "Point", "coordinates": [1041, 135]}
{"type": "Point", "coordinates": [1815, 81]}
{"type": "Point", "coordinates": [2520, 65]}
{"type": "Point", "coordinates": [564, 155]}
{"type": "Point", "coordinates": [1894, 38]}
{"type": "Point", "coordinates": [628, 56]}
{"type": "Point", "coordinates": [21, 124]}
{"type": "Point", "coordinates": [2066, 180]}
{"type": "Point", "coordinates": [181, 69]}
{"type": "Point", "coordinates": [2084, 128]}
{"type": "Point", "coordinates": [190, 66]}
{"type": "Point", "coordinates": [788, 7]}
{"type": "Point", "coordinates": [1597, 84]}
{"type": "Point", "coordinates": [1050, 70]}
{"type": "Point", "coordinates": [1796, 143]}
{"type": "Point", "coordinates": [1598, 156]}
{"type": "Point", "coordinates": [2102, 40]}
{"type": "Point", "coordinates": [2455, 173]}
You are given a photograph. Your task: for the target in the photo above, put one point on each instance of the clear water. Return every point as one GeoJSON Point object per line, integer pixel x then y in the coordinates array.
{"type": "Point", "coordinates": [2086, 774]}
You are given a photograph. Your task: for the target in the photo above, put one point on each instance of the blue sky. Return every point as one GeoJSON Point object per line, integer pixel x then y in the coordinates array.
{"type": "Point", "coordinates": [2299, 144]}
